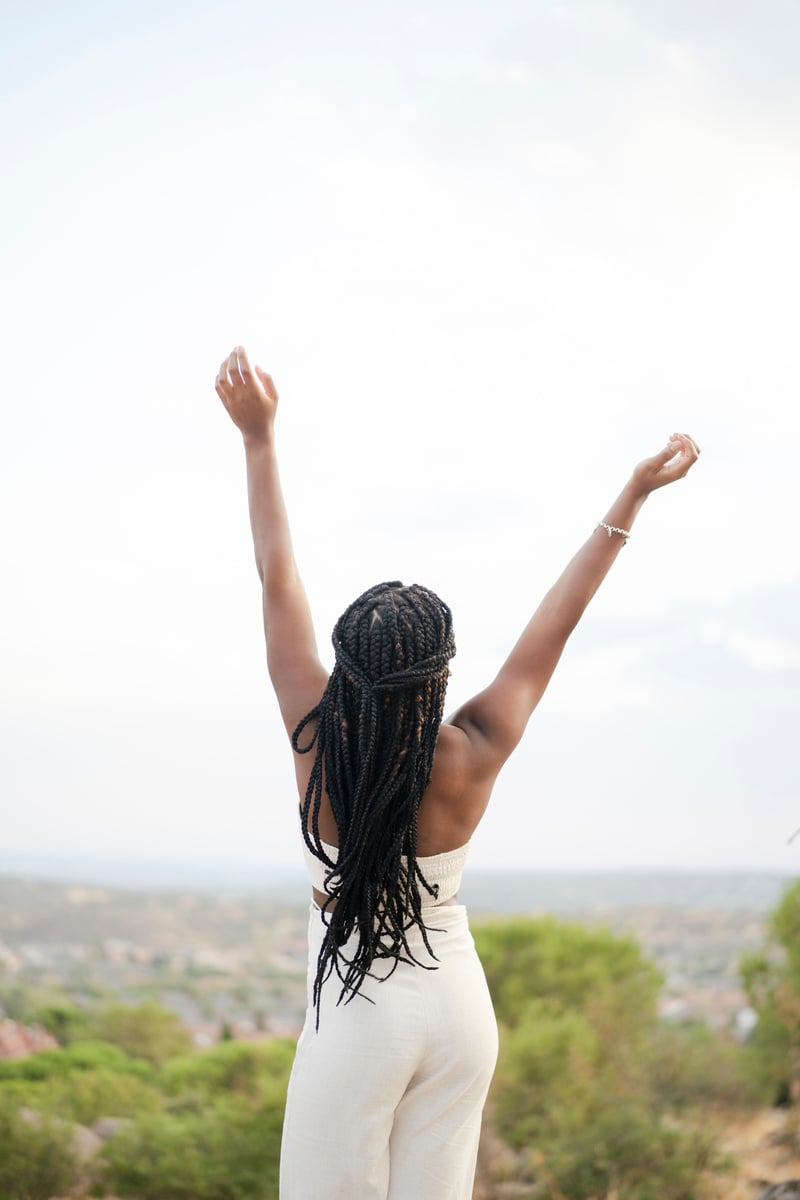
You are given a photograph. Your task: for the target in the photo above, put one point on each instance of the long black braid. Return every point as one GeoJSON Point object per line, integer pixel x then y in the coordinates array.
{"type": "Point", "coordinates": [373, 743]}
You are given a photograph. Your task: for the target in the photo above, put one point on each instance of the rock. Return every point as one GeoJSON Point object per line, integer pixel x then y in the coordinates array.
{"type": "Point", "coordinates": [108, 1127]}
{"type": "Point", "coordinates": [85, 1143]}
{"type": "Point", "coordinates": [782, 1191]}
{"type": "Point", "coordinates": [20, 1041]}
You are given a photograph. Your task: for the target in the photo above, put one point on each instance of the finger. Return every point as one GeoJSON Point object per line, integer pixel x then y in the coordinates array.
{"type": "Point", "coordinates": [267, 381]}
{"type": "Point", "coordinates": [689, 451]}
{"type": "Point", "coordinates": [233, 368]}
{"type": "Point", "coordinates": [680, 466]}
{"type": "Point", "coordinates": [666, 455]}
{"type": "Point", "coordinates": [690, 442]}
{"type": "Point", "coordinates": [222, 390]}
{"type": "Point", "coordinates": [244, 363]}
{"type": "Point", "coordinates": [222, 383]}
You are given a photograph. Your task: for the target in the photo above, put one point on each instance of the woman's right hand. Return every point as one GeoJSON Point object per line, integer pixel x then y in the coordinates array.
{"type": "Point", "coordinates": [673, 462]}
{"type": "Point", "coordinates": [249, 395]}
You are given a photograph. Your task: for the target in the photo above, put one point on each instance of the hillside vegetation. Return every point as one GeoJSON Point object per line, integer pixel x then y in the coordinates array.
{"type": "Point", "coordinates": [594, 1098]}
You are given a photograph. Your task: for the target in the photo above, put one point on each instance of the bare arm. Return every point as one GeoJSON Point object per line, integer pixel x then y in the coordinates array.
{"type": "Point", "coordinates": [297, 675]}
{"type": "Point", "coordinates": [495, 720]}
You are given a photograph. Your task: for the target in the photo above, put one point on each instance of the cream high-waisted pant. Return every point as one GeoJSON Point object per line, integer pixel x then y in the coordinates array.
{"type": "Point", "coordinates": [385, 1100]}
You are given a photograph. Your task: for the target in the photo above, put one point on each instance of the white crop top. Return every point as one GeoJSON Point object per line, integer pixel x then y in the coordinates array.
{"type": "Point", "coordinates": [442, 869]}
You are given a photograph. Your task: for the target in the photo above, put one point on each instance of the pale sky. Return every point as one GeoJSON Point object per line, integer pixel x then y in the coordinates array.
{"type": "Point", "coordinates": [493, 254]}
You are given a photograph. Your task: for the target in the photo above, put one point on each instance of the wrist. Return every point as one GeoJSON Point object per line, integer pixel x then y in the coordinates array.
{"type": "Point", "coordinates": [256, 441]}
{"type": "Point", "coordinates": [634, 493]}
{"type": "Point", "coordinates": [622, 513]}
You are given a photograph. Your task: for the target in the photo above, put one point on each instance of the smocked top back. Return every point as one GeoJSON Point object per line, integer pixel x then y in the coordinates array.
{"type": "Point", "coordinates": [443, 870]}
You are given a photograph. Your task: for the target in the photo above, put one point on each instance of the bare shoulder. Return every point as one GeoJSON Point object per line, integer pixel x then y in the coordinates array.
{"type": "Point", "coordinates": [451, 761]}
{"type": "Point", "coordinates": [456, 797]}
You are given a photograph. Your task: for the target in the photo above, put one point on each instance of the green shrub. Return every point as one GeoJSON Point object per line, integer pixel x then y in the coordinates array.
{"type": "Point", "coordinates": [230, 1152]}
{"type": "Point", "coordinates": [587, 1077]}
{"type": "Point", "coordinates": [65, 1021]}
{"type": "Point", "coordinates": [529, 957]}
{"type": "Point", "coordinates": [544, 1085]}
{"type": "Point", "coordinates": [79, 1056]}
{"type": "Point", "coordinates": [771, 979]}
{"type": "Point", "coordinates": [87, 1095]}
{"type": "Point", "coordinates": [146, 1031]}
{"type": "Point", "coordinates": [627, 1153]}
{"type": "Point", "coordinates": [242, 1067]}
{"type": "Point", "coordinates": [693, 1067]}
{"type": "Point", "coordinates": [36, 1159]}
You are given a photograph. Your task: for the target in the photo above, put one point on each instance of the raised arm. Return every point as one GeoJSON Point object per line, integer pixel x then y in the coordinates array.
{"type": "Point", "coordinates": [297, 675]}
{"type": "Point", "coordinates": [495, 720]}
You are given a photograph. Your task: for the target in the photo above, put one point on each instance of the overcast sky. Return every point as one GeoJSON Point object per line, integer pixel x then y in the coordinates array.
{"type": "Point", "coordinates": [493, 254]}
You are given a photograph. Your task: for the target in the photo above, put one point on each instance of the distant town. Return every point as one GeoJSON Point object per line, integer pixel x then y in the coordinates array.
{"type": "Point", "coordinates": [234, 963]}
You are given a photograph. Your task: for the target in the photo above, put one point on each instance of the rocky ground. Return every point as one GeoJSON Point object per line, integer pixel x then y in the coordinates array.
{"type": "Point", "coordinates": [765, 1155]}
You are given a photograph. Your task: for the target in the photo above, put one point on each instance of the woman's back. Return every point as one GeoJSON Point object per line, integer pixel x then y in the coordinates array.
{"type": "Point", "coordinates": [399, 1045]}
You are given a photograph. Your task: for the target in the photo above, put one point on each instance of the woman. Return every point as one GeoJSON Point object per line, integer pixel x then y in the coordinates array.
{"type": "Point", "coordinates": [400, 1040]}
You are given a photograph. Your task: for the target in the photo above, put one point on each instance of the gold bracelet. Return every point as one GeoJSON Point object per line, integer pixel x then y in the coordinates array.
{"type": "Point", "coordinates": [613, 529]}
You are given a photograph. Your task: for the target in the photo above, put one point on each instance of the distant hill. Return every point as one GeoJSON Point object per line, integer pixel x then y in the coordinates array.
{"type": "Point", "coordinates": [499, 891]}
{"type": "Point", "coordinates": [230, 943]}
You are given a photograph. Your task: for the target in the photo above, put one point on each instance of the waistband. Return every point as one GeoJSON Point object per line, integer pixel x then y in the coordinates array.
{"type": "Point", "coordinates": [446, 920]}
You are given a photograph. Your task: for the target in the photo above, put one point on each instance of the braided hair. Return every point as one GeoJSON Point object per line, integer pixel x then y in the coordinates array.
{"type": "Point", "coordinates": [373, 743]}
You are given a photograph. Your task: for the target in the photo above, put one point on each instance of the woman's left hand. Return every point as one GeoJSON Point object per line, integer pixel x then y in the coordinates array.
{"type": "Point", "coordinates": [673, 462]}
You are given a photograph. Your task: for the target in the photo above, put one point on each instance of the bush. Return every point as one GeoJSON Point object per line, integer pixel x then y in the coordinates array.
{"type": "Point", "coordinates": [87, 1095]}
{"type": "Point", "coordinates": [36, 1158]}
{"type": "Point", "coordinates": [79, 1056]}
{"type": "Point", "coordinates": [218, 1137]}
{"type": "Point", "coordinates": [63, 1020]}
{"type": "Point", "coordinates": [771, 979]}
{"type": "Point", "coordinates": [147, 1031]}
{"type": "Point", "coordinates": [691, 1066]}
{"type": "Point", "coordinates": [544, 1086]}
{"type": "Point", "coordinates": [587, 1077]}
{"type": "Point", "coordinates": [626, 1153]}
{"type": "Point", "coordinates": [568, 963]}
{"type": "Point", "coordinates": [230, 1152]}
{"type": "Point", "coordinates": [241, 1067]}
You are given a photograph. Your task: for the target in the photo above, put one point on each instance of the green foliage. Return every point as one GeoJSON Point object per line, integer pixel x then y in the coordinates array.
{"type": "Point", "coordinates": [65, 1021]}
{"type": "Point", "coordinates": [576, 1006]}
{"type": "Point", "coordinates": [568, 962]}
{"type": "Point", "coordinates": [86, 1095]}
{"type": "Point", "coordinates": [21, 1001]}
{"type": "Point", "coordinates": [587, 1076]}
{"type": "Point", "coordinates": [147, 1031]}
{"type": "Point", "coordinates": [229, 1152]}
{"type": "Point", "coordinates": [628, 1154]}
{"type": "Point", "coordinates": [545, 1078]}
{"type": "Point", "coordinates": [771, 978]}
{"type": "Point", "coordinates": [207, 1127]}
{"type": "Point", "coordinates": [79, 1056]}
{"type": "Point", "coordinates": [36, 1159]}
{"type": "Point", "coordinates": [219, 1136]}
{"type": "Point", "coordinates": [785, 929]}
{"type": "Point", "coordinates": [239, 1067]}
{"type": "Point", "coordinates": [693, 1067]}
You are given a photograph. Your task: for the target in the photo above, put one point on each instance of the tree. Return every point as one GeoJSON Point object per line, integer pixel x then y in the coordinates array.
{"type": "Point", "coordinates": [577, 1009]}
{"type": "Point", "coordinates": [36, 1156]}
{"type": "Point", "coordinates": [65, 1021]}
{"type": "Point", "coordinates": [771, 978]}
{"type": "Point", "coordinates": [148, 1031]}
